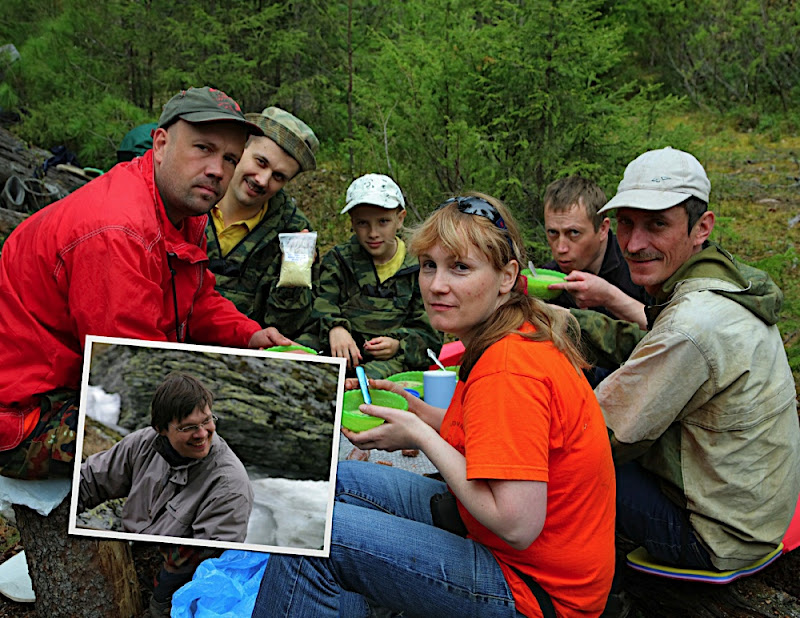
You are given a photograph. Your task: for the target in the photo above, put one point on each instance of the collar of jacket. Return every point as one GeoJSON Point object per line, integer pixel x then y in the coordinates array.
{"type": "Point", "coordinates": [410, 264]}
{"type": "Point", "coordinates": [612, 258]}
{"type": "Point", "coordinates": [716, 270]}
{"type": "Point", "coordinates": [178, 464]}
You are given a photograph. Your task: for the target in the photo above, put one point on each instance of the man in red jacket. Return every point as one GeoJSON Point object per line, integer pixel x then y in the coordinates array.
{"type": "Point", "coordinates": [123, 256]}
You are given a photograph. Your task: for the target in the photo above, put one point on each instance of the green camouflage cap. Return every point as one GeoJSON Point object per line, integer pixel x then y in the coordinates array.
{"type": "Point", "coordinates": [204, 105]}
{"type": "Point", "coordinates": [290, 133]}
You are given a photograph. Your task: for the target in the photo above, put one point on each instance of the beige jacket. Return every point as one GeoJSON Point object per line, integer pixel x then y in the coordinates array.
{"type": "Point", "coordinates": [209, 498]}
{"type": "Point", "coordinates": [709, 390]}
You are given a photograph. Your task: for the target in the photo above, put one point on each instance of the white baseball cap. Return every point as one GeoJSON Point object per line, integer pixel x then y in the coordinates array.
{"type": "Point", "coordinates": [374, 190]}
{"type": "Point", "coordinates": [660, 179]}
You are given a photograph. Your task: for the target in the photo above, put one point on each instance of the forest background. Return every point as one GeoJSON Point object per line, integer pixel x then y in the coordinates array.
{"type": "Point", "coordinates": [448, 95]}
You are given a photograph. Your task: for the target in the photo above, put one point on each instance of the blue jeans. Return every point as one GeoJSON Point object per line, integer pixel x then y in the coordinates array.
{"type": "Point", "coordinates": [386, 551]}
{"type": "Point", "coordinates": [647, 517]}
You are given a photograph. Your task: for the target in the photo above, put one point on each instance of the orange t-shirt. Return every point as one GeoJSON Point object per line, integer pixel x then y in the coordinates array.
{"type": "Point", "coordinates": [526, 413]}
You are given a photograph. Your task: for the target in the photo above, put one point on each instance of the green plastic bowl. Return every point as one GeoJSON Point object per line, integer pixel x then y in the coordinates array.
{"type": "Point", "coordinates": [291, 348]}
{"type": "Point", "coordinates": [409, 379]}
{"type": "Point", "coordinates": [354, 420]}
{"type": "Point", "coordinates": [537, 286]}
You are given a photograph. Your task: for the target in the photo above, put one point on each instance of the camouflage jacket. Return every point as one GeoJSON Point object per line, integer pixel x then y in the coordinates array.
{"type": "Point", "coordinates": [249, 274]}
{"type": "Point", "coordinates": [350, 295]}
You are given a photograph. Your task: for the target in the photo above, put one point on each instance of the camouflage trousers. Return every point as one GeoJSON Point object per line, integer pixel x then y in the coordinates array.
{"type": "Point", "coordinates": [49, 451]}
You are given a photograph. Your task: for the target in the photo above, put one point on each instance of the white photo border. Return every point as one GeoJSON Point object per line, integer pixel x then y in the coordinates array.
{"type": "Point", "coordinates": [132, 536]}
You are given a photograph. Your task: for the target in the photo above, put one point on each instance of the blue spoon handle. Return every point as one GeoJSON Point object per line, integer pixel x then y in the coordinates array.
{"type": "Point", "coordinates": [362, 382]}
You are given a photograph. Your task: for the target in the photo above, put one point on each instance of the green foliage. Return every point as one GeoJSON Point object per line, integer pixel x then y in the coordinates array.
{"type": "Point", "coordinates": [723, 54]}
{"type": "Point", "coordinates": [500, 97]}
{"type": "Point", "coordinates": [444, 95]}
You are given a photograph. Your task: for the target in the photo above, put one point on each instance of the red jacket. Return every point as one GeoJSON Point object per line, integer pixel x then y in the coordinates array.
{"type": "Point", "coordinates": [98, 263]}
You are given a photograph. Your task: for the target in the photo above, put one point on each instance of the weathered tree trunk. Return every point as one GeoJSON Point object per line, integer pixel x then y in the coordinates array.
{"type": "Point", "coordinates": [17, 159]}
{"type": "Point", "coordinates": [9, 219]}
{"type": "Point", "coordinates": [77, 576]}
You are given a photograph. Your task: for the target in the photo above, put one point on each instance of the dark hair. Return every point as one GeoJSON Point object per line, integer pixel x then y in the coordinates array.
{"type": "Point", "coordinates": [457, 232]}
{"type": "Point", "coordinates": [695, 207]}
{"type": "Point", "coordinates": [176, 398]}
{"type": "Point", "coordinates": [565, 193]}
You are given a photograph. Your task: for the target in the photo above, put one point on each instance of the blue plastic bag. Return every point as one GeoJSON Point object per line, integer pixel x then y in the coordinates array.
{"type": "Point", "coordinates": [224, 587]}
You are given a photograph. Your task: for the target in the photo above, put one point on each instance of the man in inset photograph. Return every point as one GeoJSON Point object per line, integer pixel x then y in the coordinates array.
{"type": "Point", "coordinates": [179, 476]}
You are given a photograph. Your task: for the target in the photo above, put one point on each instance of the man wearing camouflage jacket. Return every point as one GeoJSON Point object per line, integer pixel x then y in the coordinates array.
{"type": "Point", "coordinates": [242, 230]}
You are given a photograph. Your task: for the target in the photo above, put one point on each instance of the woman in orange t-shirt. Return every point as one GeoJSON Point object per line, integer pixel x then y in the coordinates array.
{"type": "Point", "coordinates": [523, 524]}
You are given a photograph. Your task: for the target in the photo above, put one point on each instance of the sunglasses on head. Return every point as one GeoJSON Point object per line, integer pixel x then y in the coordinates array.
{"type": "Point", "coordinates": [473, 205]}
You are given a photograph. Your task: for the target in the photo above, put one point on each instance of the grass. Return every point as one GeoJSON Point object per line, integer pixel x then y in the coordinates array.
{"type": "Point", "coordinates": [755, 193]}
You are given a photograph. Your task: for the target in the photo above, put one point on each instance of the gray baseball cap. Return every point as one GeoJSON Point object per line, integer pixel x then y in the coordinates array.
{"type": "Point", "coordinates": [660, 179]}
{"type": "Point", "coordinates": [374, 190]}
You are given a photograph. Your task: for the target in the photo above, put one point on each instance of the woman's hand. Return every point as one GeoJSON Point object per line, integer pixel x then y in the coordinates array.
{"type": "Point", "coordinates": [432, 416]}
{"type": "Point", "coordinates": [402, 430]}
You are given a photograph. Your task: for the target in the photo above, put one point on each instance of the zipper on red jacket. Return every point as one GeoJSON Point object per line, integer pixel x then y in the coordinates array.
{"type": "Point", "coordinates": [180, 332]}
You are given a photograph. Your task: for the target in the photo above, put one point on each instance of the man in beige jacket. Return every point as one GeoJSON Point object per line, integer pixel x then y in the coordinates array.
{"type": "Point", "coordinates": [702, 414]}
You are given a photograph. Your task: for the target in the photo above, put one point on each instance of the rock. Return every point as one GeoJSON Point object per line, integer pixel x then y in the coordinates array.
{"type": "Point", "coordinates": [105, 516]}
{"type": "Point", "coordinates": [276, 414]}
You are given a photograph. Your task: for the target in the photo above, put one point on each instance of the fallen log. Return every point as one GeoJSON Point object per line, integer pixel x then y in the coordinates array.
{"type": "Point", "coordinates": [77, 576]}
{"type": "Point", "coordinates": [9, 219]}
{"type": "Point", "coordinates": [19, 159]}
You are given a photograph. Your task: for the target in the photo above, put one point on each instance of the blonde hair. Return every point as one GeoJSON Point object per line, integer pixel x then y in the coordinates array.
{"type": "Point", "coordinates": [457, 232]}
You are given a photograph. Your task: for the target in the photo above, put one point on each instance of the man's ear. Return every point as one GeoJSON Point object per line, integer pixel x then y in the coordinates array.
{"type": "Point", "coordinates": [160, 140]}
{"type": "Point", "coordinates": [509, 276]}
{"type": "Point", "coordinates": [702, 229]}
{"type": "Point", "coordinates": [604, 227]}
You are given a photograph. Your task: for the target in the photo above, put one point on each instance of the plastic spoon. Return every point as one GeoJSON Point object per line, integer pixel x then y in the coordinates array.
{"type": "Point", "coordinates": [532, 269]}
{"type": "Point", "coordinates": [362, 382]}
{"type": "Point", "coordinates": [435, 359]}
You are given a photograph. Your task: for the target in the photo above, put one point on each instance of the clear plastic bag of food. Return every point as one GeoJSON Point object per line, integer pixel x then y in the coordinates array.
{"type": "Point", "coordinates": [298, 250]}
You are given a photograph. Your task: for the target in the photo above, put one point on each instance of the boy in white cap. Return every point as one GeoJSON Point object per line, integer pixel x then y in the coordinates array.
{"type": "Point", "coordinates": [369, 306]}
{"type": "Point", "coordinates": [702, 415]}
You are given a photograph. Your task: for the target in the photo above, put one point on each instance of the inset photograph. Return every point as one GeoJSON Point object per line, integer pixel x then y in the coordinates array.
{"type": "Point", "coordinates": [208, 446]}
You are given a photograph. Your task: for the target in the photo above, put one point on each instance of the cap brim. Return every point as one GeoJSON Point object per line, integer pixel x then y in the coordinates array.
{"type": "Point", "coordinates": [644, 199]}
{"type": "Point", "coordinates": [203, 117]}
{"type": "Point", "coordinates": [372, 199]}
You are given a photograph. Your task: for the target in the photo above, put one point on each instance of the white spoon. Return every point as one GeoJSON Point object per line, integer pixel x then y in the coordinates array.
{"type": "Point", "coordinates": [435, 359]}
{"type": "Point", "coordinates": [532, 269]}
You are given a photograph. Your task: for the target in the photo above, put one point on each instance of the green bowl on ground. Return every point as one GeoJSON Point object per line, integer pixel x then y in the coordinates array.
{"type": "Point", "coordinates": [292, 348]}
{"type": "Point", "coordinates": [354, 420]}
{"type": "Point", "coordinates": [409, 379]}
{"type": "Point", "coordinates": [537, 286]}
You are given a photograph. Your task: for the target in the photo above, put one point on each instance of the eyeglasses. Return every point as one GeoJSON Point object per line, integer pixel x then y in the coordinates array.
{"type": "Point", "coordinates": [473, 205]}
{"type": "Point", "coordinates": [193, 428]}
